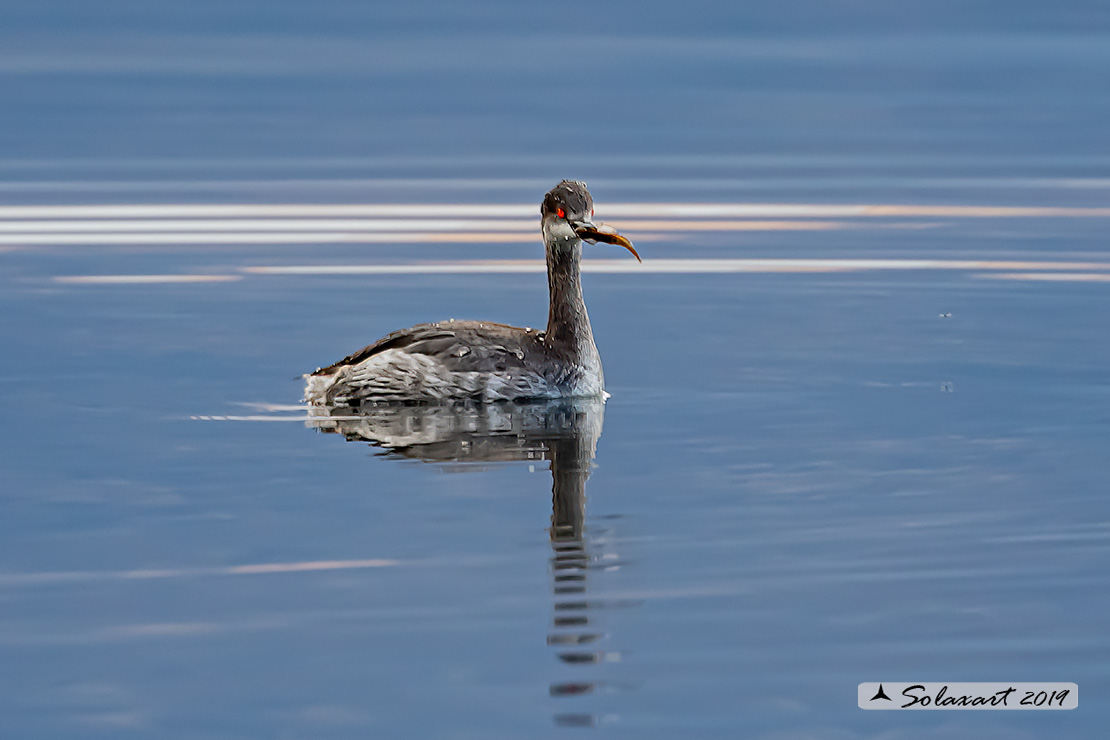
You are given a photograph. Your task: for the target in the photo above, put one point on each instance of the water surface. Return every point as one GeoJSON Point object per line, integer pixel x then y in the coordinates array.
{"type": "Point", "coordinates": [859, 399]}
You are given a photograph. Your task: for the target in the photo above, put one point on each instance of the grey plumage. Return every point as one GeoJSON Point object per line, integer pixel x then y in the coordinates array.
{"type": "Point", "coordinates": [450, 360]}
{"type": "Point", "coordinates": [483, 361]}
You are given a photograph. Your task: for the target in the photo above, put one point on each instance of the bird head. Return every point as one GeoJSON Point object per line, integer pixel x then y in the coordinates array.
{"type": "Point", "coordinates": [567, 213]}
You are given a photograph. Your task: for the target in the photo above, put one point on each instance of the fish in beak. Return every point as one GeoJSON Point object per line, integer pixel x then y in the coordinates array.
{"type": "Point", "coordinates": [594, 233]}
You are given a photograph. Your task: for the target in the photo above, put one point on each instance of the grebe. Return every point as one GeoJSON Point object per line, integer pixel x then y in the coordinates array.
{"type": "Point", "coordinates": [472, 360]}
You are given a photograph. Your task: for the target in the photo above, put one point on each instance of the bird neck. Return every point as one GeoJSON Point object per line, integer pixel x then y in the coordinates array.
{"type": "Point", "coordinates": [568, 324]}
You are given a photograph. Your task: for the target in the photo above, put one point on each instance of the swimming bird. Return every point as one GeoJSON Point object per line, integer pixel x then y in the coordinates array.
{"type": "Point", "coordinates": [481, 361]}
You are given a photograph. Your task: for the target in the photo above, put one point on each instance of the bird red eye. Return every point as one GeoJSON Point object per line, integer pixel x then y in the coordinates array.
{"type": "Point", "coordinates": [560, 213]}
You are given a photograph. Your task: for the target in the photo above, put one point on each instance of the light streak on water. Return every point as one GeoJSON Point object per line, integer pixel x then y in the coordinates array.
{"type": "Point", "coordinates": [184, 224]}
{"type": "Point", "coordinates": [676, 266]}
{"type": "Point", "coordinates": [1034, 270]}
{"type": "Point", "coordinates": [180, 239]}
{"type": "Point", "coordinates": [1074, 277]}
{"type": "Point", "coordinates": [307, 566]}
{"type": "Point", "coordinates": [143, 279]}
{"type": "Point", "coordinates": [531, 211]}
{"type": "Point", "coordinates": [117, 229]}
{"type": "Point", "coordinates": [304, 224]}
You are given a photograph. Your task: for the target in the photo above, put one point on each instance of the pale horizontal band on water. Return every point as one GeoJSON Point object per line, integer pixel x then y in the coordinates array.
{"type": "Point", "coordinates": [531, 211]}
{"type": "Point", "coordinates": [264, 417]}
{"type": "Point", "coordinates": [269, 407]}
{"type": "Point", "coordinates": [158, 573]}
{"type": "Point", "coordinates": [144, 279]}
{"type": "Point", "coordinates": [301, 417]}
{"type": "Point", "coordinates": [1072, 277]}
{"type": "Point", "coordinates": [273, 238]}
{"type": "Point", "coordinates": [674, 266]}
{"type": "Point", "coordinates": [112, 228]}
{"type": "Point", "coordinates": [152, 225]}
{"type": "Point", "coordinates": [1075, 271]}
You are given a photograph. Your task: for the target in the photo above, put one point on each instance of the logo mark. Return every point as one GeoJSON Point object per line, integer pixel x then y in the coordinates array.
{"type": "Point", "coordinates": [880, 694]}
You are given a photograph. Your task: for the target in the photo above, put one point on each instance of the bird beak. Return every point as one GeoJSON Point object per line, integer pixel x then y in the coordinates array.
{"type": "Point", "coordinates": [593, 233]}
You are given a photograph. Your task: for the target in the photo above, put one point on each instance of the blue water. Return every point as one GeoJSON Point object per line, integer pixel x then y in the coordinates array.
{"type": "Point", "coordinates": [803, 480]}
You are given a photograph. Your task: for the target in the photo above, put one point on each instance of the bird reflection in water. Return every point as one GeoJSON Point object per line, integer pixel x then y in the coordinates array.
{"type": "Point", "coordinates": [564, 433]}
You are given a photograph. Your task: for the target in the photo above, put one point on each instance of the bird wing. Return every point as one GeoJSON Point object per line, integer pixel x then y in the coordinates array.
{"type": "Point", "coordinates": [460, 346]}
